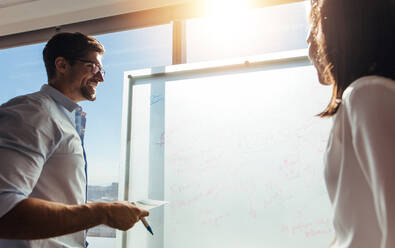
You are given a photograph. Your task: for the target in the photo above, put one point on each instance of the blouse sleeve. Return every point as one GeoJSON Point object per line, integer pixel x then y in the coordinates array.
{"type": "Point", "coordinates": [371, 111]}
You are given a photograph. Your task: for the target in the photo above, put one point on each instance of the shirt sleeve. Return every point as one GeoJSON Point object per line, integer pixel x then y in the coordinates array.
{"type": "Point", "coordinates": [371, 111]}
{"type": "Point", "coordinates": [28, 136]}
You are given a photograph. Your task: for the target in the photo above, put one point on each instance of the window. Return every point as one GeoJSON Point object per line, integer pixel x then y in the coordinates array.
{"type": "Point", "coordinates": [23, 71]}
{"type": "Point", "coordinates": [258, 31]}
{"type": "Point", "coordinates": [227, 147]}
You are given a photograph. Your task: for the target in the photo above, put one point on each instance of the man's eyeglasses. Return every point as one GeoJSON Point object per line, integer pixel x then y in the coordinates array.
{"type": "Point", "coordinates": [94, 65]}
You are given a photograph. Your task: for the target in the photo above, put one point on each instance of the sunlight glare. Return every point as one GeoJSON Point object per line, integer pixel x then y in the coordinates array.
{"type": "Point", "coordinates": [227, 7]}
{"type": "Point", "coordinates": [231, 22]}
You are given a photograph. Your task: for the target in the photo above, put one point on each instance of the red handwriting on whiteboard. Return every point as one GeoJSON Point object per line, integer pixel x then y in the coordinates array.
{"type": "Point", "coordinates": [174, 188]}
{"type": "Point", "coordinates": [272, 199]}
{"type": "Point", "coordinates": [289, 169]}
{"type": "Point", "coordinates": [215, 220]}
{"type": "Point", "coordinates": [309, 229]}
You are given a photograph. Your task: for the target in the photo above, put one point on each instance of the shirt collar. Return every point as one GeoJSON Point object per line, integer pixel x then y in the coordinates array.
{"type": "Point", "coordinates": [59, 98]}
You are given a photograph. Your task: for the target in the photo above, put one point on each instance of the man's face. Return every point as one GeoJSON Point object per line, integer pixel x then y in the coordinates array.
{"type": "Point", "coordinates": [85, 75]}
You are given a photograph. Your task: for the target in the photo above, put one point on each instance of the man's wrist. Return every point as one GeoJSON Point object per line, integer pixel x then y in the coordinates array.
{"type": "Point", "coordinates": [99, 210]}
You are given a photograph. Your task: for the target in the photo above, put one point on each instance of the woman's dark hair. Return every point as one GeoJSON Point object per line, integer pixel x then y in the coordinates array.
{"type": "Point", "coordinates": [353, 38]}
{"type": "Point", "coordinates": [68, 46]}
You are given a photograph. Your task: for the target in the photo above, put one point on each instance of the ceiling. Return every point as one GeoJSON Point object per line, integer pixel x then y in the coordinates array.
{"type": "Point", "coordinates": [19, 16]}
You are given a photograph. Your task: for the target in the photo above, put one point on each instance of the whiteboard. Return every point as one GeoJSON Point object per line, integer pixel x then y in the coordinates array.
{"type": "Point", "coordinates": [238, 154]}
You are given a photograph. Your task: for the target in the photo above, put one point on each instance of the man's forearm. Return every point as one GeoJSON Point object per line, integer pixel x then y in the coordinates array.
{"type": "Point", "coordinates": [34, 218]}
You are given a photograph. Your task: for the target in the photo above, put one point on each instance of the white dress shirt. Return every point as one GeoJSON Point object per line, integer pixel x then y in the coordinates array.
{"type": "Point", "coordinates": [360, 165]}
{"type": "Point", "coordinates": [42, 157]}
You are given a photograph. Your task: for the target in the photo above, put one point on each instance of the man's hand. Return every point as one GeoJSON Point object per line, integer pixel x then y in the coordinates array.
{"type": "Point", "coordinates": [123, 215]}
{"type": "Point", "coordinates": [34, 218]}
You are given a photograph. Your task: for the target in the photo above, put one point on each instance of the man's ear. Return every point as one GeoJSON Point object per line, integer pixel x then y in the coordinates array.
{"type": "Point", "coordinates": [61, 64]}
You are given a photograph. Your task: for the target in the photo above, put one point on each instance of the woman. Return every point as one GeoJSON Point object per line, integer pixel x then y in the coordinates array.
{"type": "Point", "coordinates": [352, 46]}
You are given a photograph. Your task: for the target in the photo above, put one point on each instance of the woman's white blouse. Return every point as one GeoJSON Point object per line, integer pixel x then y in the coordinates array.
{"type": "Point", "coordinates": [360, 165]}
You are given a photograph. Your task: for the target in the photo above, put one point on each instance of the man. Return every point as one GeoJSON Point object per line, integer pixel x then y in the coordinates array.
{"type": "Point", "coordinates": [43, 165]}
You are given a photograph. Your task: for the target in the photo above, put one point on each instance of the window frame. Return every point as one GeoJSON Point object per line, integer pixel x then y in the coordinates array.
{"type": "Point", "coordinates": [175, 14]}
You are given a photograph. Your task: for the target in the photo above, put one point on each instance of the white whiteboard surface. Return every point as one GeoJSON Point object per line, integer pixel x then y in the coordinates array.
{"type": "Point", "coordinates": [241, 158]}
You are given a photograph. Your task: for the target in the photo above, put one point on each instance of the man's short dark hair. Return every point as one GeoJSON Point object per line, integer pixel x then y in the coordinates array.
{"type": "Point", "coordinates": [68, 46]}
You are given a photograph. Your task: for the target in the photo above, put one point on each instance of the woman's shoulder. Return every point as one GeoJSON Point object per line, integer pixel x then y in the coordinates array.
{"type": "Point", "coordinates": [372, 85]}
{"type": "Point", "coordinates": [370, 94]}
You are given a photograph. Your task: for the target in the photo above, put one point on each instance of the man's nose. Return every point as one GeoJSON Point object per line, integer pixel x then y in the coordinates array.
{"type": "Point", "coordinates": [99, 76]}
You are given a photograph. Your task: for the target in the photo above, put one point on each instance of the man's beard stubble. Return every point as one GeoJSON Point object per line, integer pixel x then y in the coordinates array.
{"type": "Point", "coordinates": [87, 94]}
